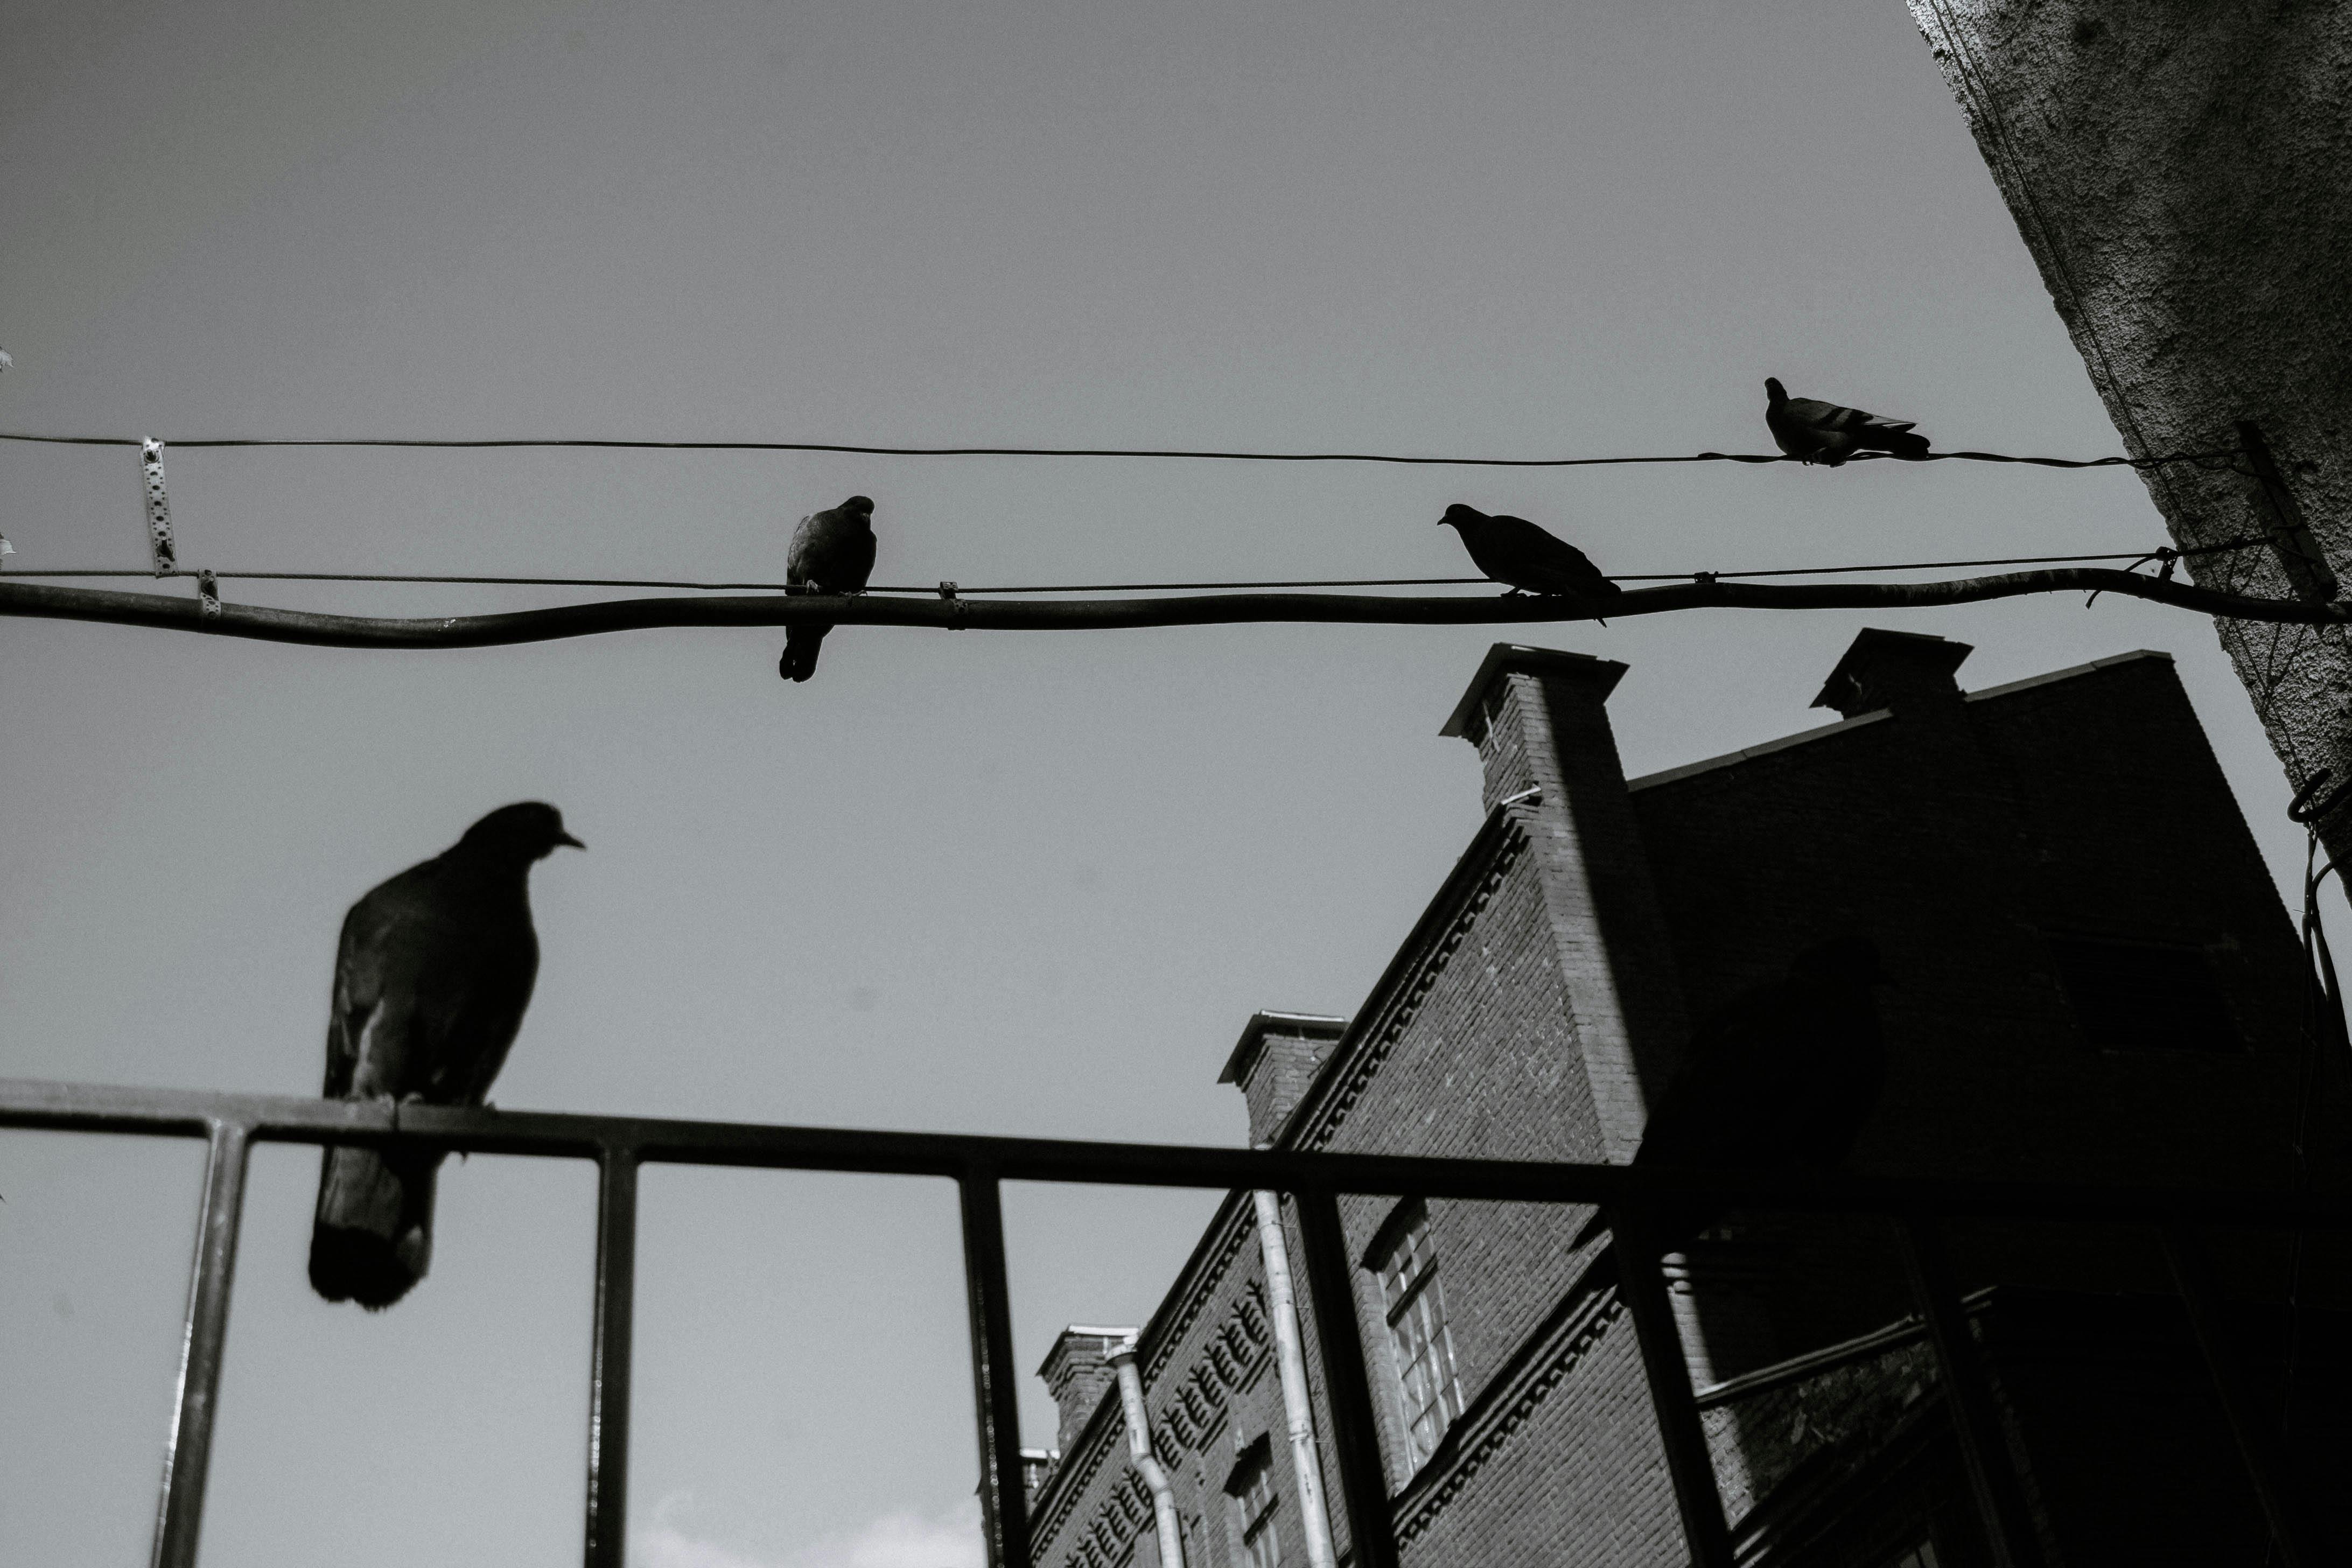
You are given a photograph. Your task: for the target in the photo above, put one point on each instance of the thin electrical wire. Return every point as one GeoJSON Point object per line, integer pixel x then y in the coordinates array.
{"type": "Point", "coordinates": [2198, 457]}
{"type": "Point", "coordinates": [957, 589]}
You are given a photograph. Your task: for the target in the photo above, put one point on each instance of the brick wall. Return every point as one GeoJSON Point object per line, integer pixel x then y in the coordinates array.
{"type": "Point", "coordinates": [1540, 1001]}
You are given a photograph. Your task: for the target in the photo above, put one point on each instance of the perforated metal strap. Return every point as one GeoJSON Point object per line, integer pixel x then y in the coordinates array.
{"type": "Point", "coordinates": [159, 509]}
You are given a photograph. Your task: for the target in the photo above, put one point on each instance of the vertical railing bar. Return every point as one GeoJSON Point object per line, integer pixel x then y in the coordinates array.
{"type": "Point", "coordinates": [188, 1455]}
{"type": "Point", "coordinates": [607, 1533]}
{"type": "Point", "coordinates": [1332, 1294]}
{"type": "Point", "coordinates": [2200, 1292]}
{"type": "Point", "coordinates": [1976, 1418]}
{"type": "Point", "coordinates": [1003, 1493]}
{"type": "Point", "coordinates": [1673, 1400]}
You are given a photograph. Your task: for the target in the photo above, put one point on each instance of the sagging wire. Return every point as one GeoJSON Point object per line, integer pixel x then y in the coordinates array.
{"type": "Point", "coordinates": [2224, 459]}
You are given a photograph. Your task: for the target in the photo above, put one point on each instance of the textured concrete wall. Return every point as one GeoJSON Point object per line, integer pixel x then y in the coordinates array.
{"type": "Point", "coordinates": [2179, 170]}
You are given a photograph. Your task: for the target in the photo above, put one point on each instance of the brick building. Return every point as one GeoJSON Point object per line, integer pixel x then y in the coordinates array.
{"type": "Point", "coordinates": [2095, 981]}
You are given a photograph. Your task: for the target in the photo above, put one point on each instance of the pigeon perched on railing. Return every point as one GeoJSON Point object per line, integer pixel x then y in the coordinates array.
{"type": "Point", "coordinates": [1781, 1077]}
{"type": "Point", "coordinates": [432, 976]}
{"type": "Point", "coordinates": [831, 552]}
{"type": "Point", "coordinates": [1515, 552]}
{"type": "Point", "coordinates": [1812, 431]}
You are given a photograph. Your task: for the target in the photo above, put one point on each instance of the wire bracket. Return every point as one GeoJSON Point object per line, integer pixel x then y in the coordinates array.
{"type": "Point", "coordinates": [208, 602]}
{"type": "Point", "coordinates": [159, 509]}
{"type": "Point", "coordinates": [946, 590]}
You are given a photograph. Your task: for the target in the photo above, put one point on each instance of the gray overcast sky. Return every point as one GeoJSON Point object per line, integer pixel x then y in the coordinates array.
{"type": "Point", "coordinates": [1001, 882]}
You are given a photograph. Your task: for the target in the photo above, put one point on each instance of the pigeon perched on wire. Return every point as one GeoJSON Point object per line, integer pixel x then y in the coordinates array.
{"type": "Point", "coordinates": [831, 552]}
{"type": "Point", "coordinates": [1812, 431]}
{"type": "Point", "coordinates": [1783, 1077]}
{"type": "Point", "coordinates": [1517, 552]}
{"type": "Point", "coordinates": [432, 976]}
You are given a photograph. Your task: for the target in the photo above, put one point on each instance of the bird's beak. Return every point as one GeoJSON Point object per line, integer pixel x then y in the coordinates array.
{"type": "Point", "coordinates": [567, 839]}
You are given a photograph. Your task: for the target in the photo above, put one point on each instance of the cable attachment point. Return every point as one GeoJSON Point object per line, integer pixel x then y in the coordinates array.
{"type": "Point", "coordinates": [207, 595]}
{"type": "Point", "coordinates": [946, 590]}
{"type": "Point", "coordinates": [2302, 809]}
{"type": "Point", "coordinates": [159, 509]}
{"type": "Point", "coordinates": [1703, 579]}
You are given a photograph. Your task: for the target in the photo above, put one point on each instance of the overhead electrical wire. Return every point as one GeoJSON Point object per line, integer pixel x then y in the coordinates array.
{"type": "Point", "coordinates": [954, 589]}
{"type": "Point", "coordinates": [2200, 458]}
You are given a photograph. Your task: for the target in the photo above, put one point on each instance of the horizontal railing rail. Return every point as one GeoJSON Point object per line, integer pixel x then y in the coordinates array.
{"type": "Point", "coordinates": [980, 1164]}
{"type": "Point", "coordinates": [289, 1118]}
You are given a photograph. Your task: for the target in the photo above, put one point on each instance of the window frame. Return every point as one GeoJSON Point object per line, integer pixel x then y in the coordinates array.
{"type": "Point", "coordinates": [1257, 1506]}
{"type": "Point", "coordinates": [1403, 1260]}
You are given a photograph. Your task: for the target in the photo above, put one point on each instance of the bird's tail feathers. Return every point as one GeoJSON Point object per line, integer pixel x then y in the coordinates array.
{"type": "Point", "coordinates": [1904, 443]}
{"type": "Point", "coordinates": [372, 1239]}
{"type": "Point", "coordinates": [801, 645]}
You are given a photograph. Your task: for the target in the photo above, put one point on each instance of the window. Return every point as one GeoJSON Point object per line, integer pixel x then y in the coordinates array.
{"type": "Point", "coordinates": [1254, 1504]}
{"type": "Point", "coordinates": [1426, 1385]}
{"type": "Point", "coordinates": [2140, 996]}
{"type": "Point", "coordinates": [1920, 1556]}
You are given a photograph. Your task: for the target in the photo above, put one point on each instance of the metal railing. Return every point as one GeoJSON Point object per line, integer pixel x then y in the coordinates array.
{"type": "Point", "coordinates": [231, 1124]}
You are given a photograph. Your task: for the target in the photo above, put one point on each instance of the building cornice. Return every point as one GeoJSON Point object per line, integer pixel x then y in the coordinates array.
{"type": "Point", "coordinates": [1396, 997]}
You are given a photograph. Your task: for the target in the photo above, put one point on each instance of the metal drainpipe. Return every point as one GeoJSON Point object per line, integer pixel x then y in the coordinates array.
{"type": "Point", "coordinates": [1138, 1449]}
{"type": "Point", "coordinates": [1291, 1355]}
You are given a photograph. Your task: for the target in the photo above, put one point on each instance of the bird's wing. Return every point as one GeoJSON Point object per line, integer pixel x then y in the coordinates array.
{"type": "Point", "coordinates": [430, 988]}
{"type": "Point", "coordinates": [368, 1043]}
{"type": "Point", "coordinates": [1833, 416]}
{"type": "Point", "coordinates": [1815, 415]}
{"type": "Point", "coordinates": [1544, 560]}
{"type": "Point", "coordinates": [834, 551]}
{"type": "Point", "coordinates": [796, 568]}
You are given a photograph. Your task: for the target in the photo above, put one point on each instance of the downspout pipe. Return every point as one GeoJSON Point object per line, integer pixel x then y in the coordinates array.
{"type": "Point", "coordinates": [1291, 1353]}
{"type": "Point", "coordinates": [1138, 1450]}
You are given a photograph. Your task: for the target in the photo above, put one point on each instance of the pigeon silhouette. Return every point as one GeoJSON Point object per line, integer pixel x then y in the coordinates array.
{"type": "Point", "coordinates": [1517, 552]}
{"type": "Point", "coordinates": [1781, 1077]}
{"type": "Point", "coordinates": [831, 552]}
{"type": "Point", "coordinates": [1812, 431]}
{"type": "Point", "coordinates": [432, 976]}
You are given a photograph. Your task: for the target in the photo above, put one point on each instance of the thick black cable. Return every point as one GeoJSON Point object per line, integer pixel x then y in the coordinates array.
{"type": "Point", "coordinates": [218, 443]}
{"type": "Point", "coordinates": [957, 590]}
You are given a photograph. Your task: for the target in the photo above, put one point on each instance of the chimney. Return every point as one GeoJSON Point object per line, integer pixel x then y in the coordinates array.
{"type": "Point", "coordinates": [1539, 718]}
{"type": "Point", "coordinates": [1036, 1464]}
{"type": "Point", "coordinates": [1277, 1057]}
{"type": "Point", "coordinates": [1078, 1372]}
{"type": "Point", "coordinates": [1893, 669]}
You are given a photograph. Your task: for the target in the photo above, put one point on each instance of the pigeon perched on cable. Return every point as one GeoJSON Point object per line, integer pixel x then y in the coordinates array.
{"type": "Point", "coordinates": [1783, 1077]}
{"type": "Point", "coordinates": [432, 976]}
{"type": "Point", "coordinates": [1812, 431]}
{"type": "Point", "coordinates": [831, 552]}
{"type": "Point", "coordinates": [1517, 552]}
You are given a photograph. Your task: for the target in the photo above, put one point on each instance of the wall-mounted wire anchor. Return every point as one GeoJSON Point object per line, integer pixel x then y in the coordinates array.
{"type": "Point", "coordinates": [1704, 579]}
{"type": "Point", "coordinates": [2302, 809]}
{"type": "Point", "coordinates": [207, 593]}
{"type": "Point", "coordinates": [1525, 797]}
{"type": "Point", "coordinates": [159, 509]}
{"type": "Point", "coordinates": [946, 590]}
